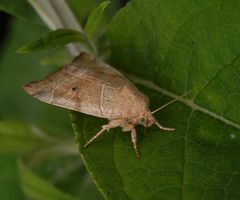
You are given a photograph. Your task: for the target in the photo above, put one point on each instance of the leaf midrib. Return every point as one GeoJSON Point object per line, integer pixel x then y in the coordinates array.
{"type": "Point", "coordinates": [188, 102]}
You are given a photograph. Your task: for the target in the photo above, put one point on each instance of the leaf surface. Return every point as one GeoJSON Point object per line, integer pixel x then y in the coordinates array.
{"type": "Point", "coordinates": [53, 39]}
{"type": "Point", "coordinates": [37, 189]}
{"type": "Point", "coordinates": [9, 187]}
{"type": "Point", "coordinates": [94, 19]}
{"type": "Point", "coordinates": [170, 48]}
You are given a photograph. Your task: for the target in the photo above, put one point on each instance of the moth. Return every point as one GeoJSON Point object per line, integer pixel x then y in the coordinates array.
{"type": "Point", "coordinates": [90, 86]}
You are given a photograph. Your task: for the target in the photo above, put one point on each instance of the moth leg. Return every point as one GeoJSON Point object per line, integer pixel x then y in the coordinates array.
{"type": "Point", "coordinates": [134, 141]}
{"type": "Point", "coordinates": [94, 137]}
{"type": "Point", "coordinates": [163, 128]}
{"type": "Point", "coordinates": [112, 124]}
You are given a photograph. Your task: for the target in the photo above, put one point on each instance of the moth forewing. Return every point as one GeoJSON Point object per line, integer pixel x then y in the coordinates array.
{"type": "Point", "coordinates": [90, 86]}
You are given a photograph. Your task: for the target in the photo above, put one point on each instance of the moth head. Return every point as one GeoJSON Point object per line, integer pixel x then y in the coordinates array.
{"type": "Point", "coordinates": [142, 121]}
{"type": "Point", "coordinates": [146, 119]}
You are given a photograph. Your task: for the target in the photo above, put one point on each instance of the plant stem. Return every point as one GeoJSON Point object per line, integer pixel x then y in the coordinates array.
{"type": "Point", "coordinates": [57, 14]}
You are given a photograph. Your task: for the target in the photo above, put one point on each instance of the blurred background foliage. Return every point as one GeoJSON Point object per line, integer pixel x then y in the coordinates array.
{"type": "Point", "coordinates": [38, 133]}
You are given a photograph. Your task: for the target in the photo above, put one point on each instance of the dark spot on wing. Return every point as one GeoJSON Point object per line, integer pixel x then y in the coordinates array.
{"type": "Point", "coordinates": [74, 89]}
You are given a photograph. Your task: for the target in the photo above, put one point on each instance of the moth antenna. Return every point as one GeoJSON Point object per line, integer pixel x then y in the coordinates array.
{"type": "Point", "coordinates": [170, 102]}
{"type": "Point", "coordinates": [162, 127]}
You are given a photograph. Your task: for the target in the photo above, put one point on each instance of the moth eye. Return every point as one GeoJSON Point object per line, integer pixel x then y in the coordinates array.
{"type": "Point", "coordinates": [142, 121]}
{"type": "Point", "coordinates": [74, 89]}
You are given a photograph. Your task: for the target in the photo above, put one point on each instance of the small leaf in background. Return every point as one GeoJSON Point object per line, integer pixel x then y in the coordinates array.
{"type": "Point", "coordinates": [9, 183]}
{"type": "Point", "coordinates": [178, 46]}
{"type": "Point", "coordinates": [95, 19]}
{"type": "Point", "coordinates": [37, 189]}
{"type": "Point", "coordinates": [19, 8]}
{"type": "Point", "coordinates": [19, 137]}
{"type": "Point", "coordinates": [68, 174]}
{"type": "Point", "coordinates": [82, 8]}
{"type": "Point", "coordinates": [53, 39]}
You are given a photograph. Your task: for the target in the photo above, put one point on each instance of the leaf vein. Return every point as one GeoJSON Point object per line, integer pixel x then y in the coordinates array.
{"type": "Point", "coordinates": [184, 152]}
{"type": "Point", "coordinates": [190, 103]}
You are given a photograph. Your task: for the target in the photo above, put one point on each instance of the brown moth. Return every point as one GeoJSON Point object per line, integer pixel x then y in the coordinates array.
{"type": "Point", "coordinates": [90, 86]}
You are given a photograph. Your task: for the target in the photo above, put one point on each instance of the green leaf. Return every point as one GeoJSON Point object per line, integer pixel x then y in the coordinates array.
{"type": "Point", "coordinates": [20, 9]}
{"type": "Point", "coordinates": [19, 137]}
{"type": "Point", "coordinates": [68, 174]}
{"type": "Point", "coordinates": [9, 186]}
{"type": "Point", "coordinates": [95, 19]}
{"type": "Point", "coordinates": [37, 189]}
{"type": "Point", "coordinates": [53, 39]}
{"type": "Point", "coordinates": [82, 8]}
{"type": "Point", "coordinates": [168, 48]}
